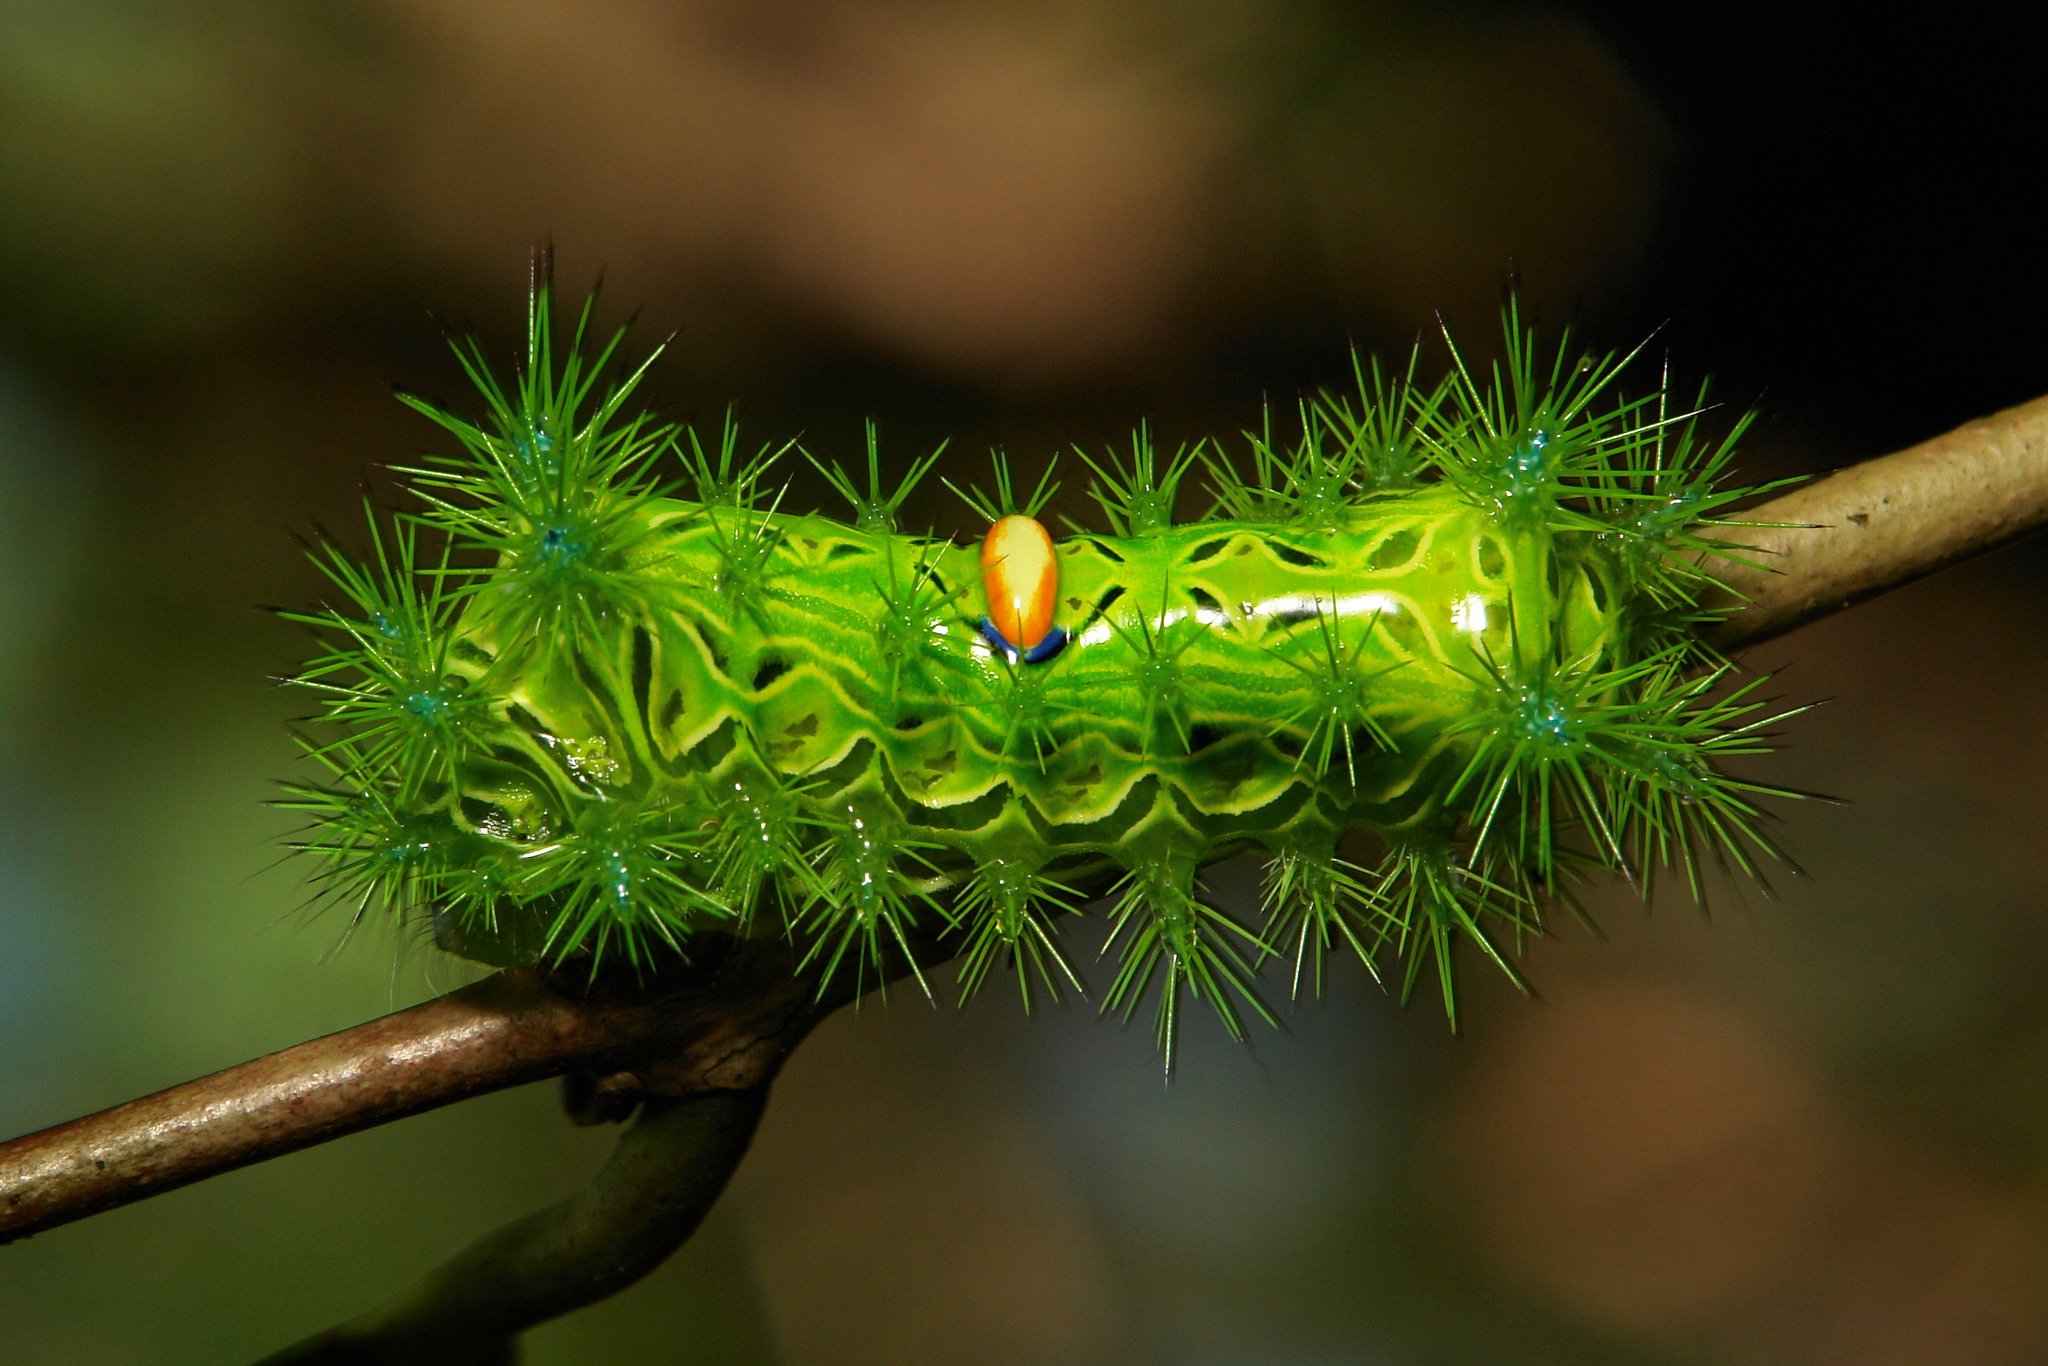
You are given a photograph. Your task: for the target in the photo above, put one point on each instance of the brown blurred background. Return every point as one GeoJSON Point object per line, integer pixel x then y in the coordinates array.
{"type": "Point", "coordinates": [1812, 1131]}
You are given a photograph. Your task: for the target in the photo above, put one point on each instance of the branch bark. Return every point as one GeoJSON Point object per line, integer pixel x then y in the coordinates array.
{"type": "Point", "coordinates": [703, 1043]}
{"type": "Point", "coordinates": [1886, 522]}
{"type": "Point", "coordinates": [648, 1199]}
{"type": "Point", "coordinates": [725, 1026]}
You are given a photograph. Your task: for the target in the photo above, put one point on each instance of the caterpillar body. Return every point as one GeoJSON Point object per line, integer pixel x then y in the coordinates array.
{"type": "Point", "coordinates": [571, 714]}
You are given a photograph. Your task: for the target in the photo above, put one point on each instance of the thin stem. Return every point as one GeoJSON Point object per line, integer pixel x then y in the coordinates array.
{"type": "Point", "coordinates": [645, 1202]}
{"type": "Point", "coordinates": [704, 1042]}
{"type": "Point", "coordinates": [1886, 522]}
{"type": "Point", "coordinates": [724, 1027]}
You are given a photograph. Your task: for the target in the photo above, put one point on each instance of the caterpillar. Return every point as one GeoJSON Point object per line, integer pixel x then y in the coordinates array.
{"type": "Point", "coordinates": [1436, 656]}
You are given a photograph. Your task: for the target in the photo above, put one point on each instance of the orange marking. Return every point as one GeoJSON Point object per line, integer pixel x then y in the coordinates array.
{"type": "Point", "coordinates": [1021, 579]}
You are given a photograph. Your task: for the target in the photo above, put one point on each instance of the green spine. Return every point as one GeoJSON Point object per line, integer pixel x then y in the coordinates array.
{"type": "Point", "coordinates": [1462, 620]}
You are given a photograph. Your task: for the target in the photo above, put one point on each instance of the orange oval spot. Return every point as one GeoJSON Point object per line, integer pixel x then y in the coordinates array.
{"type": "Point", "coordinates": [1020, 578]}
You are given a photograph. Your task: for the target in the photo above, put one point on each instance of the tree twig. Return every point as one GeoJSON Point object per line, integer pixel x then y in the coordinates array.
{"type": "Point", "coordinates": [722, 1027]}
{"type": "Point", "coordinates": [645, 1202]}
{"type": "Point", "coordinates": [1886, 522]}
{"type": "Point", "coordinates": [704, 1043]}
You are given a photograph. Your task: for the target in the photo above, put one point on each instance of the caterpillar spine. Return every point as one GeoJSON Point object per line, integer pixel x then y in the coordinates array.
{"type": "Point", "coordinates": [568, 713]}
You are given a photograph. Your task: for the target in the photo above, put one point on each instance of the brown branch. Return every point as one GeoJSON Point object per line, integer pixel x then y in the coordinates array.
{"type": "Point", "coordinates": [1887, 522]}
{"type": "Point", "coordinates": [719, 1032]}
{"type": "Point", "coordinates": [649, 1198]}
{"type": "Point", "coordinates": [723, 1027]}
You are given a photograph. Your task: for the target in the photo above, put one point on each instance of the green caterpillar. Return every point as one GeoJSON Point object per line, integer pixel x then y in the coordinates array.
{"type": "Point", "coordinates": [569, 714]}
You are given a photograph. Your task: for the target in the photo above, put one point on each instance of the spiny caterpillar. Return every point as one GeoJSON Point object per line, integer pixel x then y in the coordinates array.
{"type": "Point", "coordinates": [568, 713]}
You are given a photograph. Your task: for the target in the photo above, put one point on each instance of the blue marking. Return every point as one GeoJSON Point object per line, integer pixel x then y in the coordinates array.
{"type": "Point", "coordinates": [560, 545]}
{"type": "Point", "coordinates": [1055, 641]}
{"type": "Point", "coordinates": [1544, 719]}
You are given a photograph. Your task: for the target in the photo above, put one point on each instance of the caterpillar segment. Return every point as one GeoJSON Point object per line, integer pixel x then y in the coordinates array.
{"type": "Point", "coordinates": [1428, 704]}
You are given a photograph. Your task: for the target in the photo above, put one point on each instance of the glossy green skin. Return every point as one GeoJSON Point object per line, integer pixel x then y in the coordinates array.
{"type": "Point", "coordinates": [848, 663]}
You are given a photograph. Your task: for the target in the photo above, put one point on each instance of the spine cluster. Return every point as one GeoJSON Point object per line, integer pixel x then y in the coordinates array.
{"type": "Point", "coordinates": [1432, 655]}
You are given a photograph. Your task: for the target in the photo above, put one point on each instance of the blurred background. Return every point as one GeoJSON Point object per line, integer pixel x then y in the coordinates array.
{"type": "Point", "coordinates": [1812, 1130]}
